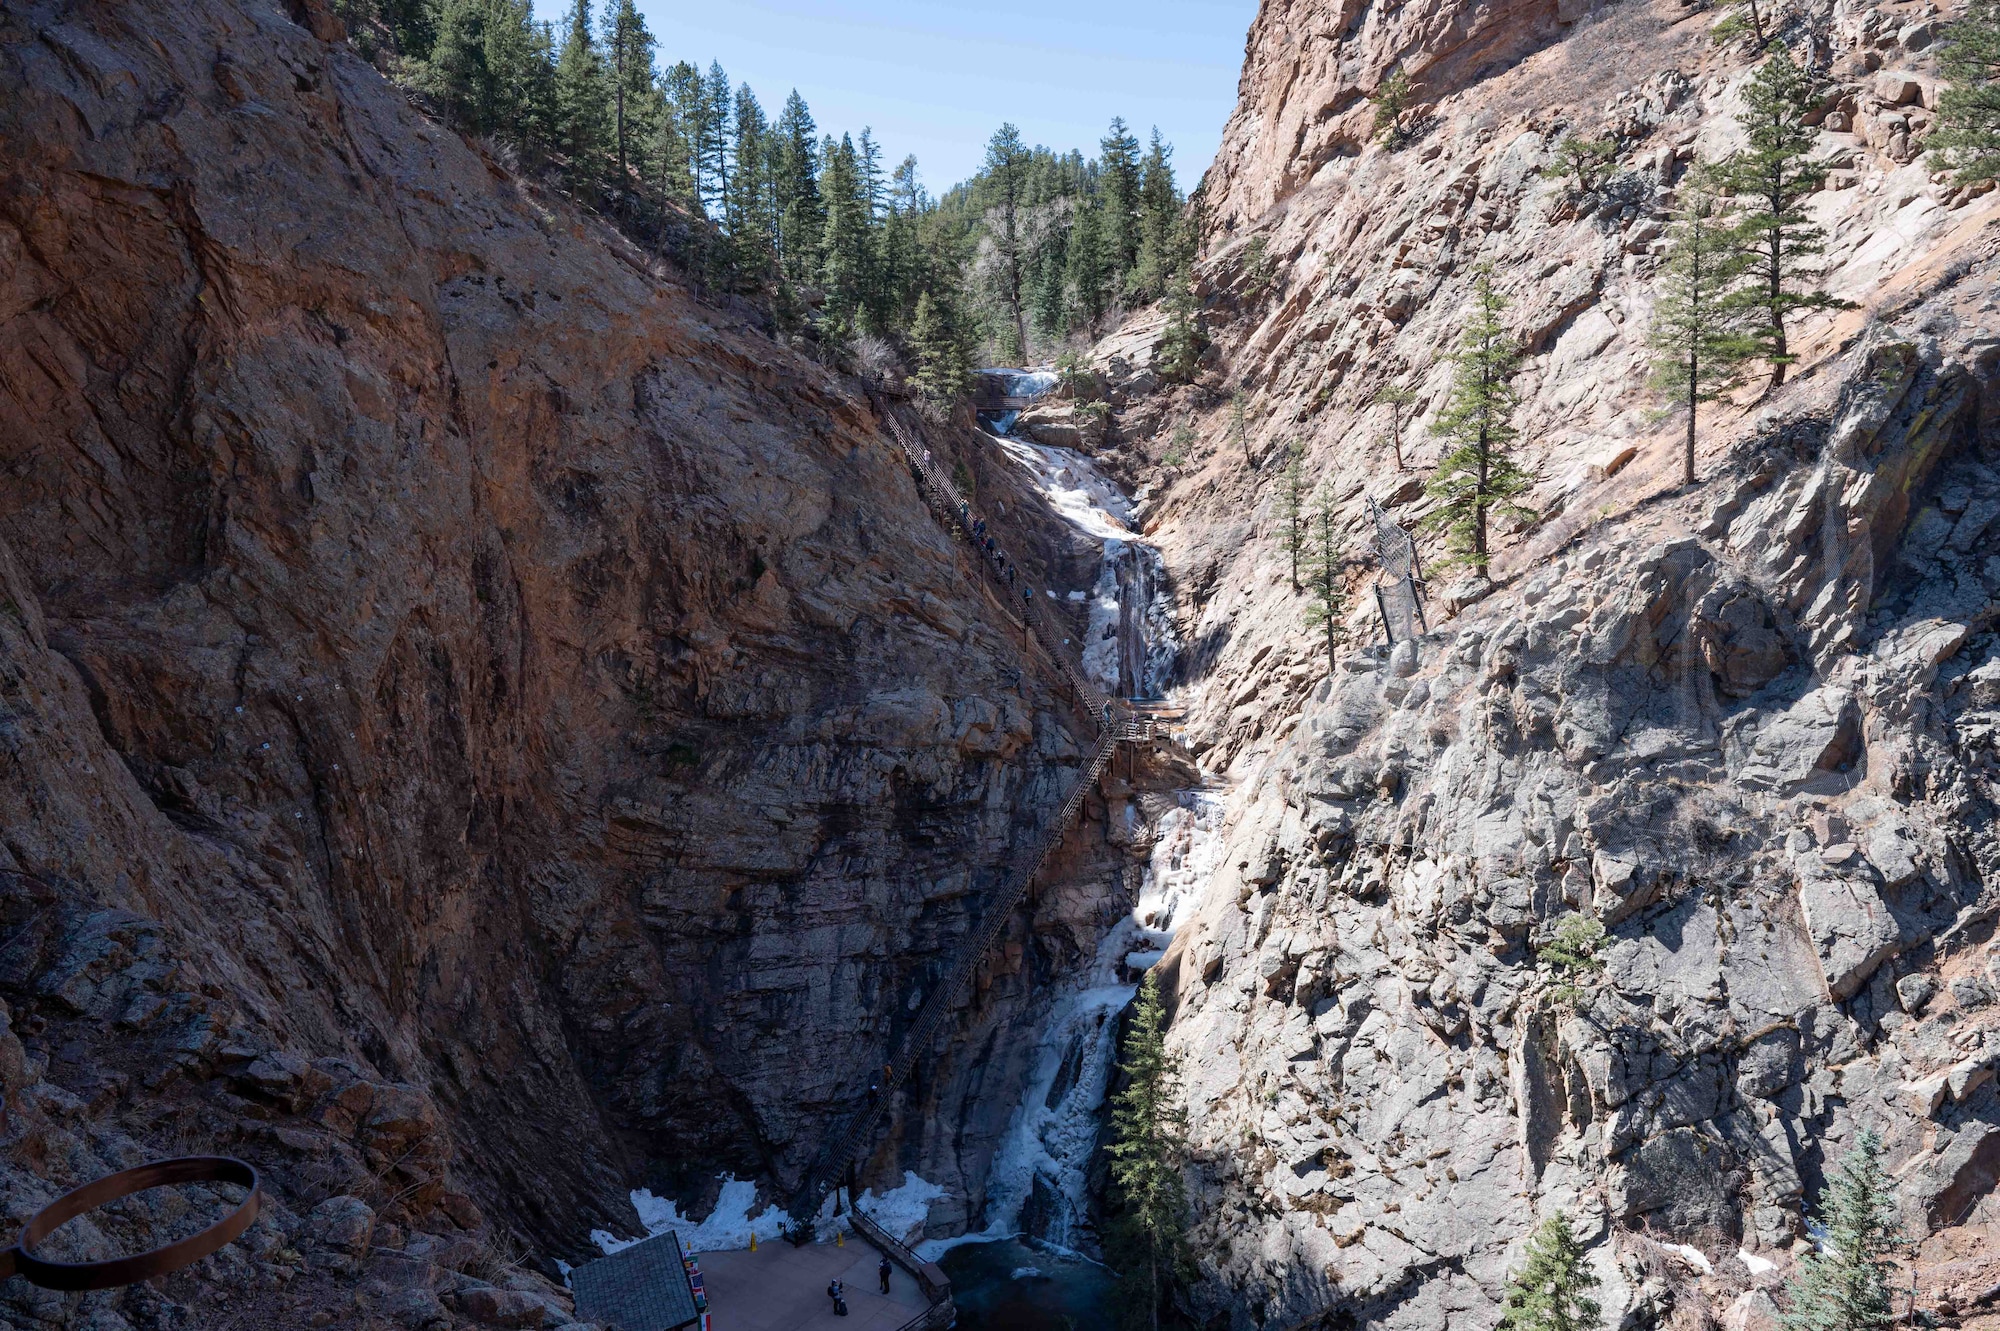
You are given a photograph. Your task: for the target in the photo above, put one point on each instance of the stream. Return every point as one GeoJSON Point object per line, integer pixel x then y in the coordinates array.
{"type": "Point", "coordinates": [1032, 1267]}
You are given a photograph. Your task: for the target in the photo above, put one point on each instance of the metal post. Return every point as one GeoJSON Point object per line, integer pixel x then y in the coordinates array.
{"type": "Point", "coordinates": [1383, 610]}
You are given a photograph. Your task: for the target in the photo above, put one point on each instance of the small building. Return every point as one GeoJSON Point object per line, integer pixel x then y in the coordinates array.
{"type": "Point", "coordinates": [646, 1287]}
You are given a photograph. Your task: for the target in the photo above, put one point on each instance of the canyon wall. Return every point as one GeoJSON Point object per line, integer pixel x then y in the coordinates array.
{"type": "Point", "coordinates": [483, 730]}
{"type": "Point", "coordinates": [1742, 724]}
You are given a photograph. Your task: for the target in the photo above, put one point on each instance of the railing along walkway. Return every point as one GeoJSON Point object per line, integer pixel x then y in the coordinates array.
{"type": "Point", "coordinates": [1115, 722]}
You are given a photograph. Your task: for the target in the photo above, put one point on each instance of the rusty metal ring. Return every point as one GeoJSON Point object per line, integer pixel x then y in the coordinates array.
{"type": "Point", "coordinates": [21, 1260]}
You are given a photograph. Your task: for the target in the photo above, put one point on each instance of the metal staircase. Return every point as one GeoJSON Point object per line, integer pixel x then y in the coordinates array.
{"type": "Point", "coordinates": [1116, 723]}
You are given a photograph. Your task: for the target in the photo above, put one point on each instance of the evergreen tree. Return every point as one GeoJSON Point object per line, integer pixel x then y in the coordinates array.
{"type": "Point", "coordinates": [1005, 181]}
{"type": "Point", "coordinates": [1479, 474]}
{"type": "Point", "coordinates": [628, 49]}
{"type": "Point", "coordinates": [1148, 1148]}
{"type": "Point", "coordinates": [1118, 169]}
{"type": "Point", "coordinates": [1584, 162]}
{"type": "Point", "coordinates": [489, 69]}
{"type": "Point", "coordinates": [1398, 400]}
{"type": "Point", "coordinates": [1326, 584]}
{"type": "Point", "coordinates": [901, 251]}
{"type": "Point", "coordinates": [1967, 138]}
{"type": "Point", "coordinates": [1291, 510]}
{"type": "Point", "coordinates": [1698, 346]}
{"type": "Point", "coordinates": [1845, 1285]}
{"type": "Point", "coordinates": [750, 198]}
{"type": "Point", "coordinates": [1181, 343]}
{"type": "Point", "coordinates": [1552, 1291]}
{"type": "Point", "coordinates": [1049, 285]}
{"type": "Point", "coordinates": [844, 265]}
{"type": "Point", "coordinates": [1159, 221]}
{"type": "Point", "coordinates": [801, 213]}
{"type": "Point", "coordinates": [1084, 264]}
{"type": "Point", "coordinates": [944, 365]}
{"type": "Point", "coordinates": [674, 145]}
{"type": "Point", "coordinates": [712, 142]}
{"type": "Point", "coordinates": [1775, 175]}
{"type": "Point", "coordinates": [1392, 98]}
{"type": "Point", "coordinates": [1745, 17]}
{"type": "Point", "coordinates": [583, 104]}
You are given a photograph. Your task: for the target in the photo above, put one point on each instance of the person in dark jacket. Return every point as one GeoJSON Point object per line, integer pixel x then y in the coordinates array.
{"type": "Point", "coordinates": [883, 1271]}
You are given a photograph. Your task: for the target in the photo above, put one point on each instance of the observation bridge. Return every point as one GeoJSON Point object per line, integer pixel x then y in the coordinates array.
{"type": "Point", "coordinates": [1117, 721]}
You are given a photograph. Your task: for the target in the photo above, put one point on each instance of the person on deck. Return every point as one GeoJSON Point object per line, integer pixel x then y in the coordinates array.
{"type": "Point", "coordinates": [883, 1271]}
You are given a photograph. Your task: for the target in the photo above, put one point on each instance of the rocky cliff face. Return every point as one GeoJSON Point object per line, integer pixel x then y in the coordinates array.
{"type": "Point", "coordinates": [478, 723]}
{"type": "Point", "coordinates": [1743, 725]}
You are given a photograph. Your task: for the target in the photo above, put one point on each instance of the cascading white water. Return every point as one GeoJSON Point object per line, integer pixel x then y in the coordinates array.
{"type": "Point", "coordinates": [1038, 1184]}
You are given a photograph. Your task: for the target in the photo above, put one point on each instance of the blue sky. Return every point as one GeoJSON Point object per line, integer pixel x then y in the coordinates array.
{"type": "Point", "coordinates": [936, 79]}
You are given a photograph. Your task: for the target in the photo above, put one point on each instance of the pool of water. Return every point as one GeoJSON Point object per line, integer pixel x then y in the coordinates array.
{"type": "Point", "coordinates": [1010, 1286]}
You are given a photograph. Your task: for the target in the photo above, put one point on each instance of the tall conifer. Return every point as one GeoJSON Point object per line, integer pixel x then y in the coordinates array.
{"type": "Point", "coordinates": [1698, 346]}
{"type": "Point", "coordinates": [1774, 176]}
{"type": "Point", "coordinates": [1148, 1151]}
{"type": "Point", "coordinates": [1119, 173]}
{"type": "Point", "coordinates": [583, 103]}
{"type": "Point", "coordinates": [1479, 475]}
{"type": "Point", "coordinates": [1967, 138]}
{"type": "Point", "coordinates": [1005, 182]}
{"type": "Point", "coordinates": [1326, 581]}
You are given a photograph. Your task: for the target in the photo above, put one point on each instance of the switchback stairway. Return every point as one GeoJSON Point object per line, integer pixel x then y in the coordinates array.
{"type": "Point", "coordinates": [1116, 723]}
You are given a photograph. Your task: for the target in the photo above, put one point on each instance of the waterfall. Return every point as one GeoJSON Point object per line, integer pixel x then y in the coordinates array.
{"type": "Point", "coordinates": [1039, 1182]}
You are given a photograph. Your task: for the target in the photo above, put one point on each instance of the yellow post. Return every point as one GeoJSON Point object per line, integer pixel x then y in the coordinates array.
{"type": "Point", "coordinates": [753, 1240]}
{"type": "Point", "coordinates": [839, 1239]}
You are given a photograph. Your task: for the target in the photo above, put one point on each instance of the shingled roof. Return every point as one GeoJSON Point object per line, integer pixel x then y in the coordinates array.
{"type": "Point", "coordinates": [640, 1288]}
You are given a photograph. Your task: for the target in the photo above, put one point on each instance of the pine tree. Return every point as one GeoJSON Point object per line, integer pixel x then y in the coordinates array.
{"type": "Point", "coordinates": [1845, 1285]}
{"type": "Point", "coordinates": [1181, 343]}
{"type": "Point", "coordinates": [1479, 475]}
{"type": "Point", "coordinates": [801, 213]}
{"type": "Point", "coordinates": [1776, 174]}
{"type": "Point", "coordinates": [712, 142]}
{"type": "Point", "coordinates": [583, 104]}
{"type": "Point", "coordinates": [1967, 138]}
{"type": "Point", "coordinates": [1745, 17]}
{"type": "Point", "coordinates": [1552, 1291]}
{"type": "Point", "coordinates": [1085, 266]}
{"type": "Point", "coordinates": [1326, 584]}
{"type": "Point", "coordinates": [1119, 172]}
{"type": "Point", "coordinates": [1398, 400]}
{"type": "Point", "coordinates": [628, 47]}
{"type": "Point", "coordinates": [1049, 285]}
{"type": "Point", "coordinates": [901, 253]}
{"type": "Point", "coordinates": [674, 147]}
{"type": "Point", "coordinates": [1159, 221]}
{"type": "Point", "coordinates": [844, 266]}
{"type": "Point", "coordinates": [1584, 162]}
{"type": "Point", "coordinates": [1005, 182]}
{"type": "Point", "coordinates": [749, 216]}
{"type": "Point", "coordinates": [944, 367]}
{"type": "Point", "coordinates": [1148, 1148]}
{"type": "Point", "coordinates": [1392, 98]}
{"type": "Point", "coordinates": [1291, 510]}
{"type": "Point", "coordinates": [1698, 345]}
{"type": "Point", "coordinates": [489, 69]}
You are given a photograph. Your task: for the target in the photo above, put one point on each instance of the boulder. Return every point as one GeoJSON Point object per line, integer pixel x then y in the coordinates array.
{"type": "Point", "coordinates": [346, 1224]}
{"type": "Point", "coordinates": [1848, 923]}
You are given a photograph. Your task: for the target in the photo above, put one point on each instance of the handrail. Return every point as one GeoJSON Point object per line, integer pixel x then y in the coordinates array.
{"type": "Point", "coordinates": [935, 1285]}
{"type": "Point", "coordinates": [1116, 722]}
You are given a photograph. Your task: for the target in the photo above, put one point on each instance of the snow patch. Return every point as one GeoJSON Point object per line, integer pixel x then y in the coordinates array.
{"type": "Point", "coordinates": [728, 1226]}
{"type": "Point", "coordinates": [1758, 1265]}
{"type": "Point", "coordinates": [902, 1210]}
{"type": "Point", "coordinates": [1693, 1256]}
